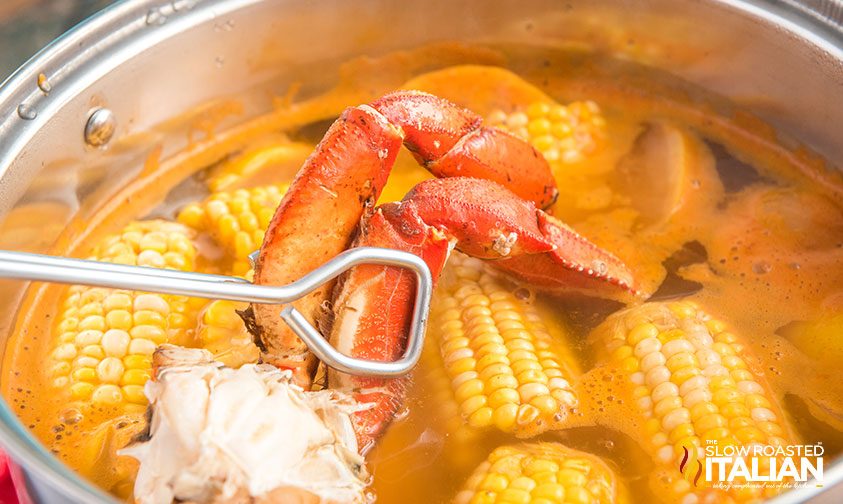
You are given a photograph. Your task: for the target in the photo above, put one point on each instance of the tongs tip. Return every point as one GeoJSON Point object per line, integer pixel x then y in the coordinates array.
{"type": "Point", "coordinates": [253, 258]}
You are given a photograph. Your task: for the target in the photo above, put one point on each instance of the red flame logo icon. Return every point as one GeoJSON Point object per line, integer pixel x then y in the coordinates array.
{"type": "Point", "coordinates": [686, 465]}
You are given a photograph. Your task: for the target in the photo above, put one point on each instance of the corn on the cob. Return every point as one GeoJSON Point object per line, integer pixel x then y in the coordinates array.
{"type": "Point", "coordinates": [541, 473]}
{"type": "Point", "coordinates": [562, 133]}
{"type": "Point", "coordinates": [222, 332]}
{"type": "Point", "coordinates": [106, 337]}
{"type": "Point", "coordinates": [443, 403]}
{"type": "Point", "coordinates": [504, 367]}
{"type": "Point", "coordinates": [236, 220]}
{"type": "Point", "coordinates": [689, 378]}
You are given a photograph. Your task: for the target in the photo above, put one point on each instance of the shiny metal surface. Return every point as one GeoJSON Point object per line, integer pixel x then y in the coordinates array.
{"type": "Point", "coordinates": [25, 266]}
{"type": "Point", "coordinates": [148, 61]}
{"type": "Point", "coordinates": [100, 126]}
{"type": "Point", "coordinates": [43, 268]}
{"type": "Point", "coordinates": [826, 11]}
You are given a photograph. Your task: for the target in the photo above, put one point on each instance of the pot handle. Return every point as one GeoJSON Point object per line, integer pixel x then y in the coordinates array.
{"type": "Point", "coordinates": [12, 484]}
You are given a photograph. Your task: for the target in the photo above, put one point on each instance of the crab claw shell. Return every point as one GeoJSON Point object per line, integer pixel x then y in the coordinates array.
{"type": "Point", "coordinates": [575, 265]}
{"type": "Point", "coordinates": [373, 304]}
{"type": "Point", "coordinates": [499, 155]}
{"type": "Point", "coordinates": [372, 312]}
{"type": "Point", "coordinates": [489, 221]}
{"type": "Point", "coordinates": [431, 126]}
{"type": "Point", "coordinates": [314, 222]}
{"type": "Point", "coordinates": [486, 220]}
{"type": "Point", "coordinates": [450, 141]}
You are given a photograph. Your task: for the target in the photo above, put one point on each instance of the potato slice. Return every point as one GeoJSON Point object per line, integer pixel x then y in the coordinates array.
{"type": "Point", "coordinates": [820, 339]}
{"type": "Point", "coordinates": [483, 89]}
{"type": "Point", "coordinates": [656, 173]}
{"type": "Point", "coordinates": [273, 160]}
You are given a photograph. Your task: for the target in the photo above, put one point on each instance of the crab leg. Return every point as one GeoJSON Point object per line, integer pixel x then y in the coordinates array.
{"type": "Point", "coordinates": [314, 222]}
{"type": "Point", "coordinates": [342, 180]}
{"type": "Point", "coordinates": [451, 142]}
{"type": "Point", "coordinates": [490, 222]}
{"type": "Point", "coordinates": [372, 310]}
{"type": "Point", "coordinates": [372, 304]}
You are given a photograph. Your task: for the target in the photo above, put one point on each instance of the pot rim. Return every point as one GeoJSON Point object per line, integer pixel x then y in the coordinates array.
{"type": "Point", "coordinates": [102, 42]}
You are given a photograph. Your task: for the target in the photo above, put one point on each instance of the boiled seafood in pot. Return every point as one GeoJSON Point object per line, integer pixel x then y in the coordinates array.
{"type": "Point", "coordinates": [598, 317]}
{"type": "Point", "coordinates": [329, 205]}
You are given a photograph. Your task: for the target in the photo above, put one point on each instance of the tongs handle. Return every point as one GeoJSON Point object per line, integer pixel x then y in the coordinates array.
{"type": "Point", "coordinates": [45, 268]}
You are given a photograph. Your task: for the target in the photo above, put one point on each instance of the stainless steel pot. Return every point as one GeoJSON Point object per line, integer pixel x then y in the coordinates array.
{"type": "Point", "coordinates": [147, 61]}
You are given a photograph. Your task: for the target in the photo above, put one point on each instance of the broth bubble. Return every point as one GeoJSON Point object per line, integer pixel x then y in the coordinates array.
{"type": "Point", "coordinates": [71, 416]}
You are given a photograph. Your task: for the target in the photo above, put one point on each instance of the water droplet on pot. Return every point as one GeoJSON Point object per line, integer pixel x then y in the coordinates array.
{"type": "Point", "coordinates": [226, 26]}
{"type": "Point", "coordinates": [183, 4]}
{"type": "Point", "coordinates": [44, 84]}
{"type": "Point", "coordinates": [155, 17]}
{"type": "Point", "coordinates": [26, 112]}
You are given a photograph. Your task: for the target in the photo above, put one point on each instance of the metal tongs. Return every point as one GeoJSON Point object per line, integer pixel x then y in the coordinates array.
{"type": "Point", "coordinates": [45, 268]}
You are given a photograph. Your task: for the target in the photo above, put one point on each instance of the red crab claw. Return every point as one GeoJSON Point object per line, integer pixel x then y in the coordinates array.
{"type": "Point", "coordinates": [342, 179]}
{"type": "Point", "coordinates": [449, 141]}
{"type": "Point", "coordinates": [576, 265]}
{"type": "Point", "coordinates": [373, 304]}
{"type": "Point", "coordinates": [526, 241]}
{"type": "Point", "coordinates": [372, 310]}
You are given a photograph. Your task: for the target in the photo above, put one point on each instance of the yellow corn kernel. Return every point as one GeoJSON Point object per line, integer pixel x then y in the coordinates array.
{"type": "Point", "coordinates": [685, 387]}
{"type": "Point", "coordinates": [562, 133]}
{"type": "Point", "coordinates": [135, 377]}
{"type": "Point", "coordinates": [542, 472]}
{"type": "Point", "coordinates": [505, 368]}
{"type": "Point", "coordinates": [141, 346]}
{"type": "Point", "coordinates": [444, 409]}
{"type": "Point", "coordinates": [81, 390]}
{"type": "Point", "coordinates": [105, 336]}
{"type": "Point", "coordinates": [84, 374]}
{"type": "Point", "coordinates": [222, 332]}
{"type": "Point", "coordinates": [138, 361]}
{"type": "Point", "coordinates": [134, 394]}
{"type": "Point", "coordinates": [107, 395]}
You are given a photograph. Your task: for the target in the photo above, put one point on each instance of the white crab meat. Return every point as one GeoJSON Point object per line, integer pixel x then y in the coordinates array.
{"type": "Point", "coordinates": [223, 435]}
